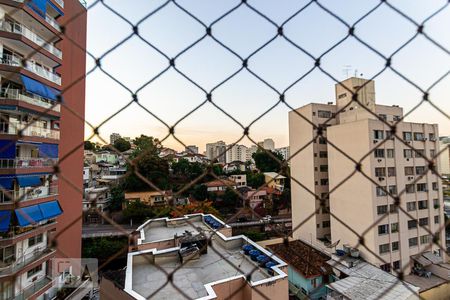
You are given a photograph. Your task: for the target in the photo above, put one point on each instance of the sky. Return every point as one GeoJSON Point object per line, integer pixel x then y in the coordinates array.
{"type": "Point", "coordinates": [170, 97]}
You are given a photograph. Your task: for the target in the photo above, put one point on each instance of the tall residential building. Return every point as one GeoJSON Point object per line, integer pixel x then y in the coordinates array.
{"type": "Point", "coordinates": [444, 156]}
{"type": "Point", "coordinates": [113, 137]}
{"type": "Point", "coordinates": [216, 151]}
{"type": "Point", "coordinates": [250, 150]}
{"type": "Point", "coordinates": [191, 149]}
{"type": "Point", "coordinates": [267, 144]}
{"type": "Point", "coordinates": [38, 62]}
{"type": "Point", "coordinates": [284, 151]}
{"type": "Point", "coordinates": [356, 202]}
{"type": "Point", "coordinates": [236, 153]}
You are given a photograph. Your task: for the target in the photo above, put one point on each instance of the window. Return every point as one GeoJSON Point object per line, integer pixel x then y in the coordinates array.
{"type": "Point", "coordinates": [382, 209]}
{"type": "Point", "coordinates": [378, 134]}
{"type": "Point", "coordinates": [323, 154]}
{"type": "Point", "coordinates": [323, 168]}
{"type": "Point", "coordinates": [383, 229]}
{"type": "Point", "coordinates": [436, 219]}
{"type": "Point", "coordinates": [391, 172]}
{"type": "Point", "coordinates": [419, 153]}
{"type": "Point", "coordinates": [396, 265]}
{"type": "Point", "coordinates": [390, 153]}
{"type": "Point", "coordinates": [412, 224]}
{"type": "Point", "coordinates": [423, 221]}
{"type": "Point", "coordinates": [407, 136]}
{"type": "Point", "coordinates": [407, 153]}
{"type": "Point", "coordinates": [343, 95]}
{"type": "Point", "coordinates": [410, 206]}
{"type": "Point", "coordinates": [432, 153]}
{"type": "Point", "coordinates": [421, 187]}
{"type": "Point", "coordinates": [7, 255]}
{"type": "Point", "coordinates": [420, 170]}
{"type": "Point", "coordinates": [419, 136]}
{"type": "Point", "coordinates": [435, 186]}
{"type": "Point", "coordinates": [322, 140]}
{"type": "Point", "coordinates": [409, 171]}
{"type": "Point", "coordinates": [393, 209]}
{"type": "Point", "coordinates": [424, 239]}
{"type": "Point", "coordinates": [412, 242]}
{"type": "Point", "coordinates": [379, 153]}
{"type": "Point", "coordinates": [436, 203]}
{"type": "Point", "coordinates": [392, 189]}
{"type": "Point", "coordinates": [382, 117]}
{"type": "Point", "coordinates": [394, 246]}
{"type": "Point", "coordinates": [389, 135]}
{"type": "Point", "coordinates": [326, 224]}
{"type": "Point", "coordinates": [34, 271]}
{"type": "Point", "coordinates": [324, 181]}
{"type": "Point", "coordinates": [386, 267]}
{"type": "Point", "coordinates": [384, 248]}
{"type": "Point", "coordinates": [35, 240]}
{"type": "Point", "coordinates": [423, 204]}
{"type": "Point", "coordinates": [380, 172]}
{"type": "Point", "coordinates": [409, 188]}
{"type": "Point", "coordinates": [381, 191]}
{"type": "Point", "coordinates": [432, 137]}
{"type": "Point", "coordinates": [394, 227]}
{"type": "Point", "coordinates": [324, 114]}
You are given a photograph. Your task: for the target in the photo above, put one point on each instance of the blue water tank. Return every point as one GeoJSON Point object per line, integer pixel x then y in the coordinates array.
{"type": "Point", "coordinates": [247, 248]}
{"type": "Point", "coordinates": [270, 264]}
{"type": "Point", "coordinates": [262, 259]}
{"type": "Point", "coordinates": [254, 254]}
{"type": "Point", "coordinates": [340, 252]}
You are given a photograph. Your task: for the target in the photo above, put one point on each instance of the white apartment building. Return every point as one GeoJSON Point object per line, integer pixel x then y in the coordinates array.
{"type": "Point", "coordinates": [193, 149]}
{"type": "Point", "coordinates": [284, 151]}
{"type": "Point", "coordinates": [113, 137]}
{"type": "Point", "coordinates": [236, 153]}
{"type": "Point", "coordinates": [355, 200]}
{"type": "Point", "coordinates": [250, 150]}
{"type": "Point", "coordinates": [216, 151]}
{"type": "Point", "coordinates": [444, 156]}
{"type": "Point", "coordinates": [267, 144]}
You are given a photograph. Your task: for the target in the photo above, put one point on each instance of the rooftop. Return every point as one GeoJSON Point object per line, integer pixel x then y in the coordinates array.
{"type": "Point", "coordinates": [222, 182]}
{"type": "Point", "coordinates": [274, 175]}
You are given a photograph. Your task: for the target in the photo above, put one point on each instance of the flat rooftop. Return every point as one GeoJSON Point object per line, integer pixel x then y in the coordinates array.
{"type": "Point", "coordinates": [425, 283]}
{"type": "Point", "coordinates": [160, 230]}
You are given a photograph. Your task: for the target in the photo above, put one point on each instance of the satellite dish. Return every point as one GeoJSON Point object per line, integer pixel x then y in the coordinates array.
{"type": "Point", "coordinates": [334, 244]}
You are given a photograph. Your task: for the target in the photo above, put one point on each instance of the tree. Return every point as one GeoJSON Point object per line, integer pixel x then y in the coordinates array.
{"type": "Point", "coordinates": [255, 180]}
{"type": "Point", "coordinates": [88, 145]}
{"type": "Point", "coordinates": [230, 198]}
{"type": "Point", "coordinates": [122, 145]}
{"type": "Point", "coordinates": [200, 192]}
{"type": "Point", "coordinates": [117, 198]}
{"type": "Point", "coordinates": [145, 143]}
{"type": "Point", "coordinates": [205, 207]}
{"type": "Point", "coordinates": [265, 161]}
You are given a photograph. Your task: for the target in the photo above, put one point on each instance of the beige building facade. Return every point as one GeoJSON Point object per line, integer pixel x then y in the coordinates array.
{"type": "Point", "coordinates": [363, 204]}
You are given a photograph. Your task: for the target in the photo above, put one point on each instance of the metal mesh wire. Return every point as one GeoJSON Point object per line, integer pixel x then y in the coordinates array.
{"type": "Point", "coordinates": [318, 64]}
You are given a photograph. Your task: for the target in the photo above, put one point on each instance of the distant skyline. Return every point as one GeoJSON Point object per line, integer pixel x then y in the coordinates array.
{"type": "Point", "coordinates": [171, 96]}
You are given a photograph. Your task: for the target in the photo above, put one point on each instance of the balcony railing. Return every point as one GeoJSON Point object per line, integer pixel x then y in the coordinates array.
{"type": "Point", "coordinates": [26, 259]}
{"type": "Point", "coordinates": [18, 28]}
{"type": "Point", "coordinates": [27, 162]}
{"type": "Point", "coordinates": [17, 232]}
{"type": "Point", "coordinates": [30, 98]}
{"type": "Point", "coordinates": [30, 130]}
{"type": "Point", "coordinates": [60, 2]}
{"type": "Point", "coordinates": [10, 196]}
{"type": "Point", "coordinates": [33, 288]}
{"type": "Point", "coordinates": [15, 61]}
{"type": "Point", "coordinates": [48, 19]}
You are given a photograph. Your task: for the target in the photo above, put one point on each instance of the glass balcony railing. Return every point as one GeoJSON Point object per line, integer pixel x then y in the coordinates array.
{"type": "Point", "coordinates": [15, 94]}
{"type": "Point", "coordinates": [17, 232]}
{"type": "Point", "coordinates": [26, 259]}
{"type": "Point", "coordinates": [18, 28]}
{"type": "Point", "coordinates": [29, 130]}
{"type": "Point", "coordinates": [24, 194]}
{"type": "Point", "coordinates": [48, 18]}
{"type": "Point", "coordinates": [27, 162]}
{"type": "Point", "coordinates": [15, 61]}
{"type": "Point", "coordinates": [35, 287]}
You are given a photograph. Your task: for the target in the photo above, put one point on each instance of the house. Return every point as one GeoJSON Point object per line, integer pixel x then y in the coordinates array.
{"type": "Point", "coordinates": [240, 179]}
{"type": "Point", "coordinates": [275, 180]}
{"type": "Point", "coordinates": [150, 198]}
{"type": "Point", "coordinates": [107, 157]}
{"type": "Point", "coordinates": [220, 185]}
{"type": "Point", "coordinates": [234, 166]}
{"type": "Point", "coordinates": [255, 198]}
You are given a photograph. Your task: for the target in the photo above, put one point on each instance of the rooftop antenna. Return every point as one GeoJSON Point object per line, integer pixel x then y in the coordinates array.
{"type": "Point", "coordinates": [356, 72]}
{"type": "Point", "coordinates": [346, 70]}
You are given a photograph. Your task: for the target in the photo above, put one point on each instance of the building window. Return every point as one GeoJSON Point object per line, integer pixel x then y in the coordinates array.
{"type": "Point", "coordinates": [396, 265]}
{"type": "Point", "coordinates": [390, 153]}
{"type": "Point", "coordinates": [409, 188]}
{"type": "Point", "coordinates": [394, 246]}
{"type": "Point", "coordinates": [379, 153]}
{"type": "Point", "coordinates": [432, 137]}
{"type": "Point", "coordinates": [378, 134]}
{"type": "Point", "coordinates": [412, 242]}
{"type": "Point", "coordinates": [424, 239]}
{"type": "Point", "coordinates": [410, 206]}
{"type": "Point", "coordinates": [34, 271]}
{"type": "Point", "coordinates": [326, 224]}
{"type": "Point", "coordinates": [323, 168]}
{"type": "Point", "coordinates": [393, 209]}
{"type": "Point", "coordinates": [436, 203]}
{"type": "Point", "coordinates": [422, 187]}
{"type": "Point", "coordinates": [324, 114]}
{"type": "Point", "coordinates": [383, 229]}
{"type": "Point", "coordinates": [409, 171]}
{"type": "Point", "coordinates": [381, 191]}
{"type": "Point", "coordinates": [407, 136]}
{"type": "Point", "coordinates": [435, 186]}
{"type": "Point", "coordinates": [384, 248]}
{"type": "Point", "coordinates": [432, 153]}
{"type": "Point", "coordinates": [7, 255]}
{"type": "Point", "coordinates": [436, 219]}
{"type": "Point", "coordinates": [380, 172]}
{"type": "Point", "coordinates": [407, 153]}
{"type": "Point", "coordinates": [382, 209]}
{"type": "Point", "coordinates": [322, 140]}
{"type": "Point", "coordinates": [420, 170]}
{"type": "Point", "coordinates": [382, 117]}
{"type": "Point", "coordinates": [392, 189]}
{"type": "Point", "coordinates": [397, 118]}
{"type": "Point", "coordinates": [389, 135]}
{"type": "Point", "coordinates": [412, 224]}
{"type": "Point", "coordinates": [324, 181]}
{"type": "Point", "coordinates": [419, 153]}
{"type": "Point", "coordinates": [394, 227]}
{"type": "Point", "coordinates": [419, 136]}
{"type": "Point", "coordinates": [391, 172]}
{"type": "Point", "coordinates": [423, 221]}
{"type": "Point", "coordinates": [35, 240]}
{"type": "Point", "coordinates": [323, 154]}
{"type": "Point", "coordinates": [423, 204]}
{"type": "Point", "coordinates": [386, 267]}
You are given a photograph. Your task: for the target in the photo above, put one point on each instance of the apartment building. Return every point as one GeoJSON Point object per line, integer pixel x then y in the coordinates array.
{"type": "Point", "coordinates": [236, 153]}
{"type": "Point", "coordinates": [284, 151]}
{"type": "Point", "coordinates": [193, 149]}
{"type": "Point", "coordinates": [267, 144]}
{"type": "Point", "coordinates": [35, 130]}
{"type": "Point", "coordinates": [113, 137]}
{"type": "Point", "coordinates": [444, 156]}
{"type": "Point", "coordinates": [357, 202]}
{"type": "Point", "coordinates": [216, 151]}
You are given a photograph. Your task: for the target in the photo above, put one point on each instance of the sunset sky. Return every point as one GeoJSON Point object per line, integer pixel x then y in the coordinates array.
{"type": "Point", "coordinates": [171, 96]}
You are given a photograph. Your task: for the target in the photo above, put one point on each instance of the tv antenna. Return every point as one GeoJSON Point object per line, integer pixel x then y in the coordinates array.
{"type": "Point", "coordinates": [346, 70]}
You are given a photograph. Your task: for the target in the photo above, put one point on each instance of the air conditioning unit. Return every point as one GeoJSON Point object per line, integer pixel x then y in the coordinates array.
{"type": "Point", "coordinates": [379, 160]}
{"type": "Point", "coordinates": [407, 159]}
{"type": "Point", "coordinates": [380, 178]}
{"type": "Point", "coordinates": [433, 139]}
{"type": "Point", "coordinates": [424, 139]}
{"type": "Point", "coordinates": [375, 141]}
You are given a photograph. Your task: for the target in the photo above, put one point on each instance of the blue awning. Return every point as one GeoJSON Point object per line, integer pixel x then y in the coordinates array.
{"type": "Point", "coordinates": [35, 87]}
{"type": "Point", "coordinates": [48, 150]}
{"type": "Point", "coordinates": [6, 182]}
{"type": "Point", "coordinates": [5, 218]}
{"type": "Point", "coordinates": [29, 181]}
{"type": "Point", "coordinates": [39, 6]}
{"type": "Point", "coordinates": [56, 8]}
{"type": "Point", "coordinates": [29, 215]}
{"type": "Point", "coordinates": [7, 149]}
{"type": "Point", "coordinates": [50, 209]}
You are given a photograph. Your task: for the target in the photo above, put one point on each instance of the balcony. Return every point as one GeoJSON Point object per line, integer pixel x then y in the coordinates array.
{"type": "Point", "coordinates": [60, 3]}
{"type": "Point", "coordinates": [18, 28]}
{"type": "Point", "coordinates": [15, 94]}
{"type": "Point", "coordinates": [29, 130]}
{"type": "Point", "coordinates": [33, 288]}
{"type": "Point", "coordinates": [15, 61]}
{"type": "Point", "coordinates": [48, 18]}
{"type": "Point", "coordinates": [27, 163]}
{"type": "Point", "coordinates": [24, 194]}
{"type": "Point", "coordinates": [18, 264]}
{"type": "Point", "coordinates": [17, 233]}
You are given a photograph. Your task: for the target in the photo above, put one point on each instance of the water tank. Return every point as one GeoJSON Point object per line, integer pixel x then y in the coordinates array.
{"type": "Point", "coordinates": [254, 254]}
{"type": "Point", "coordinates": [247, 249]}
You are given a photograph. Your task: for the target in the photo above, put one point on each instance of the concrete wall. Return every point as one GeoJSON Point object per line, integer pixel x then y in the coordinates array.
{"type": "Point", "coordinates": [441, 292]}
{"type": "Point", "coordinates": [276, 290]}
{"type": "Point", "coordinates": [110, 291]}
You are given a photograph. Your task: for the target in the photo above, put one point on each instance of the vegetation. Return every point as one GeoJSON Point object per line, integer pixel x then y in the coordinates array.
{"type": "Point", "coordinates": [122, 145]}
{"type": "Point", "coordinates": [265, 160]}
{"type": "Point", "coordinates": [255, 236]}
{"type": "Point", "coordinates": [103, 248]}
{"type": "Point", "coordinates": [140, 212]}
{"type": "Point", "coordinates": [88, 145]}
{"type": "Point", "coordinates": [205, 207]}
